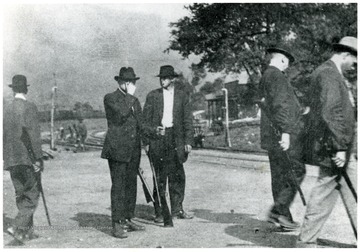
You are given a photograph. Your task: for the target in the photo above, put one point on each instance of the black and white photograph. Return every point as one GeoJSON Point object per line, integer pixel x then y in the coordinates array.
{"type": "Point", "coordinates": [173, 125]}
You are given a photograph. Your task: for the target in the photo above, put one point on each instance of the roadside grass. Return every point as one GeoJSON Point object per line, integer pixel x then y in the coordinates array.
{"type": "Point", "coordinates": [245, 138]}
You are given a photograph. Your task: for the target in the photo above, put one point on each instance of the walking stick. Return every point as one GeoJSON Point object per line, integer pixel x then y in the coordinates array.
{"type": "Point", "coordinates": [42, 195]}
{"type": "Point", "coordinates": [350, 185]}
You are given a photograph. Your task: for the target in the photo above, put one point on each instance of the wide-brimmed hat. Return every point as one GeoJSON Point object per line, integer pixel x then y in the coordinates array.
{"type": "Point", "coordinates": [167, 71]}
{"type": "Point", "coordinates": [347, 44]}
{"type": "Point", "coordinates": [126, 73]}
{"type": "Point", "coordinates": [282, 51]}
{"type": "Point", "coordinates": [19, 81]}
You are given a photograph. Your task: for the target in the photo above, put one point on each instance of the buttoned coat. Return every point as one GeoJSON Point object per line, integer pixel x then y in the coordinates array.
{"type": "Point", "coordinates": [182, 121]}
{"type": "Point", "coordinates": [21, 136]}
{"type": "Point", "coordinates": [283, 108]}
{"type": "Point", "coordinates": [123, 114]}
{"type": "Point", "coordinates": [331, 120]}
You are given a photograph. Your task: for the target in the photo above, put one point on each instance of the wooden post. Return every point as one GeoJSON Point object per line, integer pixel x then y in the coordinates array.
{"type": "Point", "coordinates": [227, 133]}
{"type": "Point", "coordinates": [53, 104]}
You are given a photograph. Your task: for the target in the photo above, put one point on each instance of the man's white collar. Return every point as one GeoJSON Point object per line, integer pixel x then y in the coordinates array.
{"type": "Point", "coordinates": [20, 96]}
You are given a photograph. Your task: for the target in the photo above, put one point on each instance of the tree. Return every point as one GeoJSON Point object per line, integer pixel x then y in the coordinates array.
{"type": "Point", "coordinates": [212, 87]}
{"type": "Point", "coordinates": [232, 37]}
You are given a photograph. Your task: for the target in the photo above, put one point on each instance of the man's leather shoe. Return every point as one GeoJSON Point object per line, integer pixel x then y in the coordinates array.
{"type": "Point", "coordinates": [17, 234]}
{"type": "Point", "coordinates": [133, 226]}
{"type": "Point", "coordinates": [159, 219]}
{"type": "Point", "coordinates": [288, 224]}
{"type": "Point", "coordinates": [283, 221]}
{"type": "Point", "coordinates": [31, 236]}
{"type": "Point", "coordinates": [273, 218]}
{"type": "Point", "coordinates": [183, 215]}
{"type": "Point", "coordinates": [118, 231]}
{"type": "Point", "coordinates": [168, 225]}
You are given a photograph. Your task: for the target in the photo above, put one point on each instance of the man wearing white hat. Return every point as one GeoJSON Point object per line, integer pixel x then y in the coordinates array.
{"type": "Point", "coordinates": [332, 125]}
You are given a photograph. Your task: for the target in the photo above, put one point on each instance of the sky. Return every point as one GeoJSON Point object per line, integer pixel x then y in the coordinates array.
{"type": "Point", "coordinates": [81, 47]}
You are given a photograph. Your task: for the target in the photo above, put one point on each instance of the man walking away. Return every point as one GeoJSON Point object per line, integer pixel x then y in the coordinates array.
{"type": "Point", "coordinates": [22, 149]}
{"type": "Point", "coordinates": [331, 127]}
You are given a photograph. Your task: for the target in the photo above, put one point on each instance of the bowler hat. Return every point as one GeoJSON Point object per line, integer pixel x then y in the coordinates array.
{"type": "Point", "coordinates": [18, 81]}
{"type": "Point", "coordinates": [282, 51]}
{"type": "Point", "coordinates": [347, 44]}
{"type": "Point", "coordinates": [167, 71]}
{"type": "Point", "coordinates": [126, 73]}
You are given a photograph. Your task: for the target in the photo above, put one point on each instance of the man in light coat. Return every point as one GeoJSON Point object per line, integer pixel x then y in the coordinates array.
{"type": "Point", "coordinates": [331, 132]}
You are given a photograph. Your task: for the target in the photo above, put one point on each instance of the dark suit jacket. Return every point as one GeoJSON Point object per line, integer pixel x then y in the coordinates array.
{"type": "Point", "coordinates": [122, 139]}
{"type": "Point", "coordinates": [284, 109]}
{"type": "Point", "coordinates": [182, 121]}
{"type": "Point", "coordinates": [21, 136]}
{"type": "Point", "coordinates": [332, 122]}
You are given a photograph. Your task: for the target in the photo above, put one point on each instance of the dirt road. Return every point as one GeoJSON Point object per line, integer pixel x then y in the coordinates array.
{"type": "Point", "coordinates": [228, 196]}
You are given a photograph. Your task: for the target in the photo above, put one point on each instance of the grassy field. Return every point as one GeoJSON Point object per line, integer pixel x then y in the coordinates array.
{"type": "Point", "coordinates": [245, 138]}
{"type": "Point", "coordinates": [91, 124]}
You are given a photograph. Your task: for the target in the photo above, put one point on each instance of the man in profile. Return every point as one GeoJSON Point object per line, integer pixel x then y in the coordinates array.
{"type": "Point", "coordinates": [332, 131]}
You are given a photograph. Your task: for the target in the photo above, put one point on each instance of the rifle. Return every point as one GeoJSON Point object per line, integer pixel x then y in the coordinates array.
{"type": "Point", "coordinates": [155, 179]}
{"type": "Point", "coordinates": [162, 204]}
{"type": "Point", "coordinates": [146, 187]}
{"type": "Point", "coordinates": [277, 133]}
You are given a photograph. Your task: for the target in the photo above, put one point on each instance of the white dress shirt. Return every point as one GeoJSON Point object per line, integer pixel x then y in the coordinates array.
{"type": "Point", "coordinates": [167, 119]}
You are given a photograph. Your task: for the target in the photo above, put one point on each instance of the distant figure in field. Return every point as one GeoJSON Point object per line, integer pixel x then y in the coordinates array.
{"type": "Point", "coordinates": [82, 133]}
{"type": "Point", "coordinates": [62, 133]}
{"type": "Point", "coordinates": [71, 132]}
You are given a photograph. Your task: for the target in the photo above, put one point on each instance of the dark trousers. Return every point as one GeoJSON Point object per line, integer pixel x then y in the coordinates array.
{"type": "Point", "coordinates": [283, 186]}
{"type": "Point", "coordinates": [123, 189]}
{"type": "Point", "coordinates": [27, 194]}
{"type": "Point", "coordinates": [168, 168]}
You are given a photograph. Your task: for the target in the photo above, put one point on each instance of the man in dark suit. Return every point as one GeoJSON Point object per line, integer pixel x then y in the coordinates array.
{"type": "Point", "coordinates": [122, 148]}
{"type": "Point", "coordinates": [281, 132]}
{"type": "Point", "coordinates": [332, 130]}
{"type": "Point", "coordinates": [169, 134]}
{"type": "Point", "coordinates": [22, 149]}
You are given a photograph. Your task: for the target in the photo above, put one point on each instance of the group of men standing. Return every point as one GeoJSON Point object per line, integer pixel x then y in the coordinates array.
{"type": "Point", "coordinates": [326, 127]}
{"type": "Point", "coordinates": [165, 128]}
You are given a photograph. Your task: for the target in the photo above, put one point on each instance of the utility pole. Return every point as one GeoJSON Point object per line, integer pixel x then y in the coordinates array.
{"type": "Point", "coordinates": [227, 134]}
{"type": "Point", "coordinates": [53, 104]}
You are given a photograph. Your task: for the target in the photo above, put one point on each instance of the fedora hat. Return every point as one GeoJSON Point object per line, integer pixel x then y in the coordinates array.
{"type": "Point", "coordinates": [19, 81]}
{"type": "Point", "coordinates": [347, 44]}
{"type": "Point", "coordinates": [167, 71]}
{"type": "Point", "coordinates": [282, 51]}
{"type": "Point", "coordinates": [126, 73]}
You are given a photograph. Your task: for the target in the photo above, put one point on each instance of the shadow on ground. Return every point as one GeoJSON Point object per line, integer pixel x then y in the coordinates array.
{"type": "Point", "coordinates": [334, 244]}
{"type": "Point", "coordinates": [257, 233]}
{"type": "Point", "coordinates": [102, 222]}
